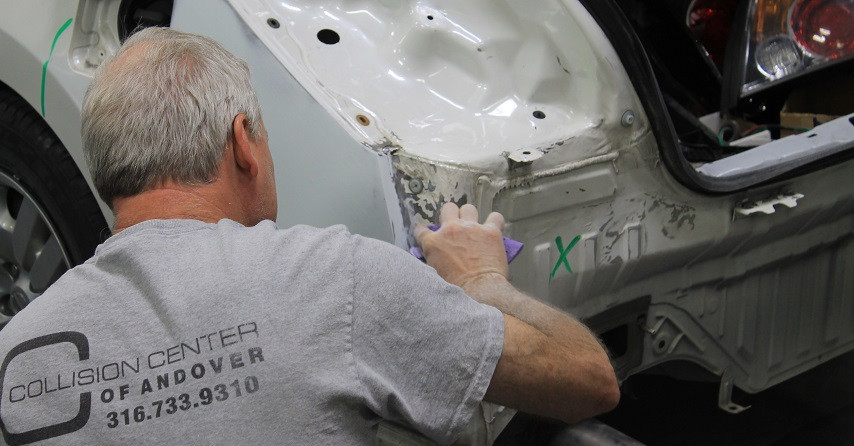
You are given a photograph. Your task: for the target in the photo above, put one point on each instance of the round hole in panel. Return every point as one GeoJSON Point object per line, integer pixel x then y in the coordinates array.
{"type": "Point", "coordinates": [539, 114]}
{"type": "Point", "coordinates": [328, 36]}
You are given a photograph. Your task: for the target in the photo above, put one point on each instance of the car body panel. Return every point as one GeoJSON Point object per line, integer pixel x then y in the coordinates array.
{"type": "Point", "coordinates": [591, 180]}
{"type": "Point", "coordinates": [471, 88]}
{"type": "Point", "coordinates": [786, 154]}
{"type": "Point", "coordinates": [472, 74]}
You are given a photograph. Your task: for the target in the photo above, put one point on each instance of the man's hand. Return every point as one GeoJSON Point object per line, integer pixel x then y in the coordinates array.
{"type": "Point", "coordinates": [551, 363]}
{"type": "Point", "coordinates": [463, 251]}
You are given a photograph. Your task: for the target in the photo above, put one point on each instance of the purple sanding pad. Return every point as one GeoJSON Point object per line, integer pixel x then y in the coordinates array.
{"type": "Point", "coordinates": [511, 247]}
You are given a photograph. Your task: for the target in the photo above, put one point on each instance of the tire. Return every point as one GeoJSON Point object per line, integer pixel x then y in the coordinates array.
{"type": "Point", "coordinates": [49, 219]}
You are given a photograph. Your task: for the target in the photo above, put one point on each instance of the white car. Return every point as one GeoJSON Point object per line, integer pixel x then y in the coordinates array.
{"type": "Point", "coordinates": [660, 161]}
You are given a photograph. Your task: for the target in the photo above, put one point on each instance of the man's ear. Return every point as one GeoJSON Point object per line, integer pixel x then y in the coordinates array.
{"type": "Point", "coordinates": [242, 145]}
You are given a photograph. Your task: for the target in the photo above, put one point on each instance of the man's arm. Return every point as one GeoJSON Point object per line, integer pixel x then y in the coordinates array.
{"type": "Point", "coordinates": [551, 364]}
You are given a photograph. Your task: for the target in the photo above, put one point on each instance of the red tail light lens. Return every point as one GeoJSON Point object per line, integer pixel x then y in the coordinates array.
{"type": "Point", "coordinates": [824, 28]}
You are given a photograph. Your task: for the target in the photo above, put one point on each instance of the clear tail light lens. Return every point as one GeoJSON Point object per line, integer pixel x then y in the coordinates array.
{"type": "Point", "coordinates": [788, 38]}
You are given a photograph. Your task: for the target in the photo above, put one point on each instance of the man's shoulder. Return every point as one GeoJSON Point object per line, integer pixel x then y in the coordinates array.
{"type": "Point", "coordinates": [300, 230]}
{"type": "Point", "coordinates": [297, 238]}
{"type": "Point", "coordinates": [156, 235]}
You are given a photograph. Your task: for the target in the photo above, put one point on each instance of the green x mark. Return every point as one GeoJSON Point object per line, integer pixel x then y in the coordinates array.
{"type": "Point", "coordinates": [563, 253]}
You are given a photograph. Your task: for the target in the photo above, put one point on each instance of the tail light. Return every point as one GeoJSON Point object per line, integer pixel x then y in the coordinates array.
{"type": "Point", "coordinates": [788, 38]}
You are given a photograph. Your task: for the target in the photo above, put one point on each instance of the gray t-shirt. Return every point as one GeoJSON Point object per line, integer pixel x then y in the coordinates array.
{"type": "Point", "coordinates": [183, 332]}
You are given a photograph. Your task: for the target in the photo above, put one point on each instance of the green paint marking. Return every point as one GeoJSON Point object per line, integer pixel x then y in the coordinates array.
{"type": "Point", "coordinates": [52, 45]}
{"type": "Point", "coordinates": [562, 260]}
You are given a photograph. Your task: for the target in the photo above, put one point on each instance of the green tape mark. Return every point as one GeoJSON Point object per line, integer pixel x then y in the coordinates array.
{"type": "Point", "coordinates": [52, 45]}
{"type": "Point", "coordinates": [562, 260]}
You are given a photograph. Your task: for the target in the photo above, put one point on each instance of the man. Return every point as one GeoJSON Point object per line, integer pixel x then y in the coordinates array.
{"type": "Point", "coordinates": [199, 321]}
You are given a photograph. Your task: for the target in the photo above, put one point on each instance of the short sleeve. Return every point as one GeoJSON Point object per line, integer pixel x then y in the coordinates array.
{"type": "Point", "coordinates": [424, 351]}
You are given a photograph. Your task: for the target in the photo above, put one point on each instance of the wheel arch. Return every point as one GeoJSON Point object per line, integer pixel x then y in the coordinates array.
{"type": "Point", "coordinates": [63, 94]}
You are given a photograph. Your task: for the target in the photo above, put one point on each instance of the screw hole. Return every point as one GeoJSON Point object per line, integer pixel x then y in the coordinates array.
{"type": "Point", "coordinates": [429, 17]}
{"type": "Point", "coordinates": [363, 120]}
{"type": "Point", "coordinates": [273, 23]}
{"type": "Point", "coordinates": [539, 115]}
{"type": "Point", "coordinates": [662, 344]}
{"type": "Point", "coordinates": [328, 36]}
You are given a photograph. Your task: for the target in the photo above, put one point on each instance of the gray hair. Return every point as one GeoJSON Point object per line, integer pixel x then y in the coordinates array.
{"type": "Point", "coordinates": [162, 109]}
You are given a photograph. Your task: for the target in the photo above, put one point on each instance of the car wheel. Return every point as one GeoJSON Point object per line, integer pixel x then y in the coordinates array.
{"type": "Point", "coordinates": [49, 220]}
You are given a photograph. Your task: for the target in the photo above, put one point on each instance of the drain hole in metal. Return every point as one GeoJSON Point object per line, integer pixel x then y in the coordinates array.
{"type": "Point", "coordinates": [273, 23]}
{"type": "Point", "coordinates": [328, 36]}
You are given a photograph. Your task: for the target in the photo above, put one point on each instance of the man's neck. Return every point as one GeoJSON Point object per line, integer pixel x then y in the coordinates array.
{"type": "Point", "coordinates": [193, 203]}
